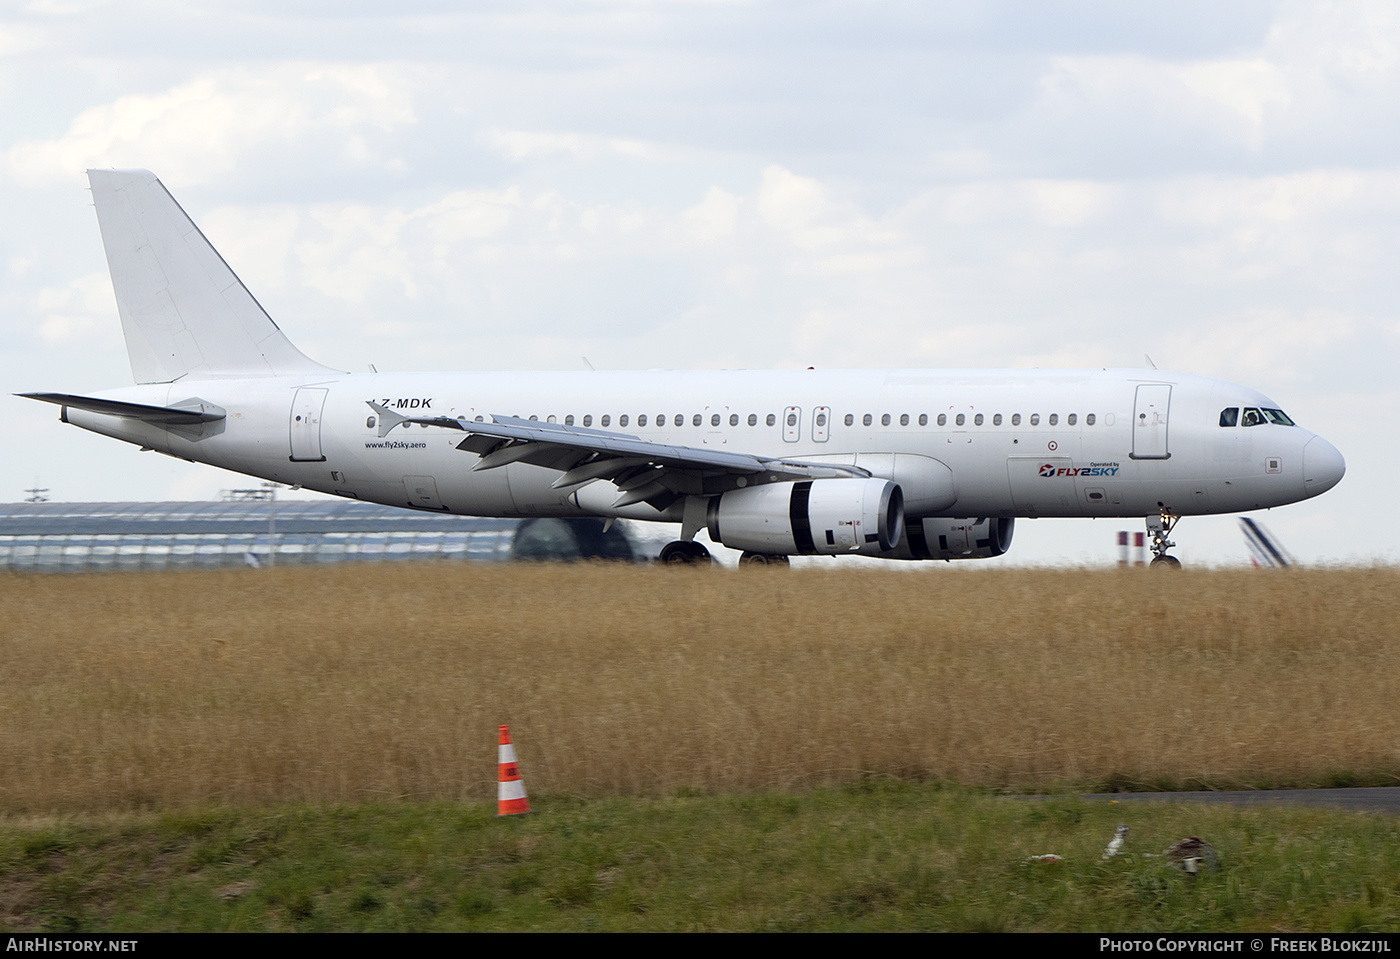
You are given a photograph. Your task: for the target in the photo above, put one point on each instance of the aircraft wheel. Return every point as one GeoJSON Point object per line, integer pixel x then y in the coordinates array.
{"type": "Point", "coordinates": [1165, 562]}
{"type": "Point", "coordinates": [763, 559]}
{"type": "Point", "coordinates": [682, 553]}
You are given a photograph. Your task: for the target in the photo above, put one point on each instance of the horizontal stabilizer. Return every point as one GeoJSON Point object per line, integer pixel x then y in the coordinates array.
{"type": "Point", "coordinates": [187, 413]}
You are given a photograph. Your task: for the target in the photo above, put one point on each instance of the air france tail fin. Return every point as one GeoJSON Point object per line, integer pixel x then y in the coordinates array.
{"type": "Point", "coordinates": [184, 313]}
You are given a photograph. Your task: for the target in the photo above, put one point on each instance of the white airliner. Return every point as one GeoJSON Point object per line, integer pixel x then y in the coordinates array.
{"type": "Point", "coordinates": [894, 464]}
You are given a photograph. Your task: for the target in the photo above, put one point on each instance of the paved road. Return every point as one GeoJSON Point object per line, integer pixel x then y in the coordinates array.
{"type": "Point", "coordinates": [1371, 799]}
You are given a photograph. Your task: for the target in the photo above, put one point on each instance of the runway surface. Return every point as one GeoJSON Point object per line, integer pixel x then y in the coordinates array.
{"type": "Point", "coordinates": [1385, 799]}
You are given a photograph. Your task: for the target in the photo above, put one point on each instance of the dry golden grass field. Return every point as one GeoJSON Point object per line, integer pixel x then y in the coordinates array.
{"type": "Point", "coordinates": [380, 681]}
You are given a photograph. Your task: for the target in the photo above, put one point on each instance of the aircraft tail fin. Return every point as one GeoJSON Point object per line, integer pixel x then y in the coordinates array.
{"type": "Point", "coordinates": [1264, 549]}
{"type": "Point", "coordinates": [183, 311]}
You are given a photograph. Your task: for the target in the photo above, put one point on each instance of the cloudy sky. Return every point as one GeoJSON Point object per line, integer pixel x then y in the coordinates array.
{"type": "Point", "coordinates": [518, 185]}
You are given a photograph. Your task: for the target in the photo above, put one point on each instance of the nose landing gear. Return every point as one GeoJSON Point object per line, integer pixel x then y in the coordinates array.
{"type": "Point", "coordinates": [1159, 528]}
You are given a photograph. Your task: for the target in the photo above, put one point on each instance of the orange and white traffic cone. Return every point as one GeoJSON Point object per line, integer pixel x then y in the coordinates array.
{"type": "Point", "coordinates": [510, 793]}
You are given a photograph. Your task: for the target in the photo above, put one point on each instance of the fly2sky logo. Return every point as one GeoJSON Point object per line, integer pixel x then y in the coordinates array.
{"type": "Point", "coordinates": [1051, 471]}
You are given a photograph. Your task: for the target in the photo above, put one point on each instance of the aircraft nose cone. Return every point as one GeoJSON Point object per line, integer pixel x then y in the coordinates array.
{"type": "Point", "coordinates": [1323, 466]}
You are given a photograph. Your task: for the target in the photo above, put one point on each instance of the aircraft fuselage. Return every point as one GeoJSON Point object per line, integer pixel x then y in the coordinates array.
{"type": "Point", "coordinates": [1018, 443]}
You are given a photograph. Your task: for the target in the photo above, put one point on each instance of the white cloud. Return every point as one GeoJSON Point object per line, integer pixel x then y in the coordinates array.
{"type": "Point", "coordinates": [205, 127]}
{"type": "Point", "coordinates": [530, 145]}
{"type": "Point", "coordinates": [19, 39]}
{"type": "Point", "coordinates": [827, 234]}
{"type": "Point", "coordinates": [1249, 91]}
{"type": "Point", "coordinates": [1068, 203]}
{"type": "Point", "coordinates": [1320, 84]}
{"type": "Point", "coordinates": [714, 218]}
{"type": "Point", "coordinates": [80, 312]}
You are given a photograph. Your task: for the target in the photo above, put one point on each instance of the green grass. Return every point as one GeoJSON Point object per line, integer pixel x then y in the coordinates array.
{"type": "Point", "coordinates": [878, 856]}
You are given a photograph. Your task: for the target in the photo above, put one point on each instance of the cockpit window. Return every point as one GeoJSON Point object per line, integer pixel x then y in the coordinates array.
{"type": "Point", "coordinates": [1230, 416]}
{"type": "Point", "coordinates": [1258, 417]}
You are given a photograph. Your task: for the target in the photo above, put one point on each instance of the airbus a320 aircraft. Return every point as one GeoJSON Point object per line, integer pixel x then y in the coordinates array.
{"type": "Point", "coordinates": [910, 465]}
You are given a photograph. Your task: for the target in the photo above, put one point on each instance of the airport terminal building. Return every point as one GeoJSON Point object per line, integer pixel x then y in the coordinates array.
{"type": "Point", "coordinates": [94, 537]}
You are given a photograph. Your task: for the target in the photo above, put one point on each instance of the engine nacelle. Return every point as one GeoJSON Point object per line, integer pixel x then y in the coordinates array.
{"type": "Point", "coordinates": [938, 538]}
{"type": "Point", "coordinates": [826, 516]}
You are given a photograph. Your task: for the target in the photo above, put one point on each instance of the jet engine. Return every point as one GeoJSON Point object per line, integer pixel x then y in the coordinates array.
{"type": "Point", "coordinates": [825, 516]}
{"type": "Point", "coordinates": [938, 538]}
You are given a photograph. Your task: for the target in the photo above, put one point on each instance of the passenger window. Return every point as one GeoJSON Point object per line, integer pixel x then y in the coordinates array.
{"type": "Point", "coordinates": [867, 419]}
{"type": "Point", "coordinates": [642, 420]}
{"type": "Point", "coordinates": [996, 420]}
{"type": "Point", "coordinates": [1015, 419]}
{"type": "Point", "coordinates": [942, 419]}
{"type": "Point", "coordinates": [977, 420]}
{"type": "Point", "coordinates": [369, 423]}
{"type": "Point", "coordinates": [607, 419]}
{"type": "Point", "coordinates": [885, 420]}
{"type": "Point", "coordinates": [1054, 419]}
{"type": "Point", "coordinates": [569, 420]}
{"type": "Point", "coordinates": [923, 419]}
{"type": "Point", "coordinates": [903, 419]}
{"type": "Point", "coordinates": [733, 419]}
{"type": "Point", "coordinates": [1035, 419]}
{"type": "Point", "coordinates": [753, 419]}
{"type": "Point", "coordinates": [1072, 419]}
{"type": "Point", "coordinates": [850, 419]}
{"type": "Point", "coordinates": [622, 420]}
{"type": "Point", "coordinates": [1089, 420]}
{"type": "Point", "coordinates": [792, 419]}
{"type": "Point", "coordinates": [714, 419]}
{"type": "Point", "coordinates": [821, 419]}
{"type": "Point", "coordinates": [1230, 416]}
{"type": "Point", "coordinates": [588, 419]}
{"type": "Point", "coordinates": [771, 419]}
{"type": "Point", "coordinates": [696, 420]}
{"type": "Point", "coordinates": [680, 419]}
{"type": "Point", "coordinates": [961, 419]}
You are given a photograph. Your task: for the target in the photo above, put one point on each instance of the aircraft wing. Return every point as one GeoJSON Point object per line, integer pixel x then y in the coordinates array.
{"type": "Point", "coordinates": [644, 471]}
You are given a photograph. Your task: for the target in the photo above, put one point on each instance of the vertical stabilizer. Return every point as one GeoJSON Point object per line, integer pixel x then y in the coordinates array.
{"type": "Point", "coordinates": [183, 311]}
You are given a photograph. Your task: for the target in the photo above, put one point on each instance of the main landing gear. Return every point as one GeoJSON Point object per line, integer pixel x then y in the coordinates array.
{"type": "Point", "coordinates": [684, 552]}
{"type": "Point", "coordinates": [1159, 528]}
{"type": "Point", "coordinates": [763, 559]}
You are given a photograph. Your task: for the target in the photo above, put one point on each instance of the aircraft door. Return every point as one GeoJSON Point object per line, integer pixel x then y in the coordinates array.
{"type": "Point", "coordinates": [305, 425]}
{"type": "Point", "coordinates": [821, 423]}
{"type": "Point", "coordinates": [1150, 421]}
{"type": "Point", "coordinates": [422, 492]}
{"type": "Point", "coordinates": [792, 424]}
